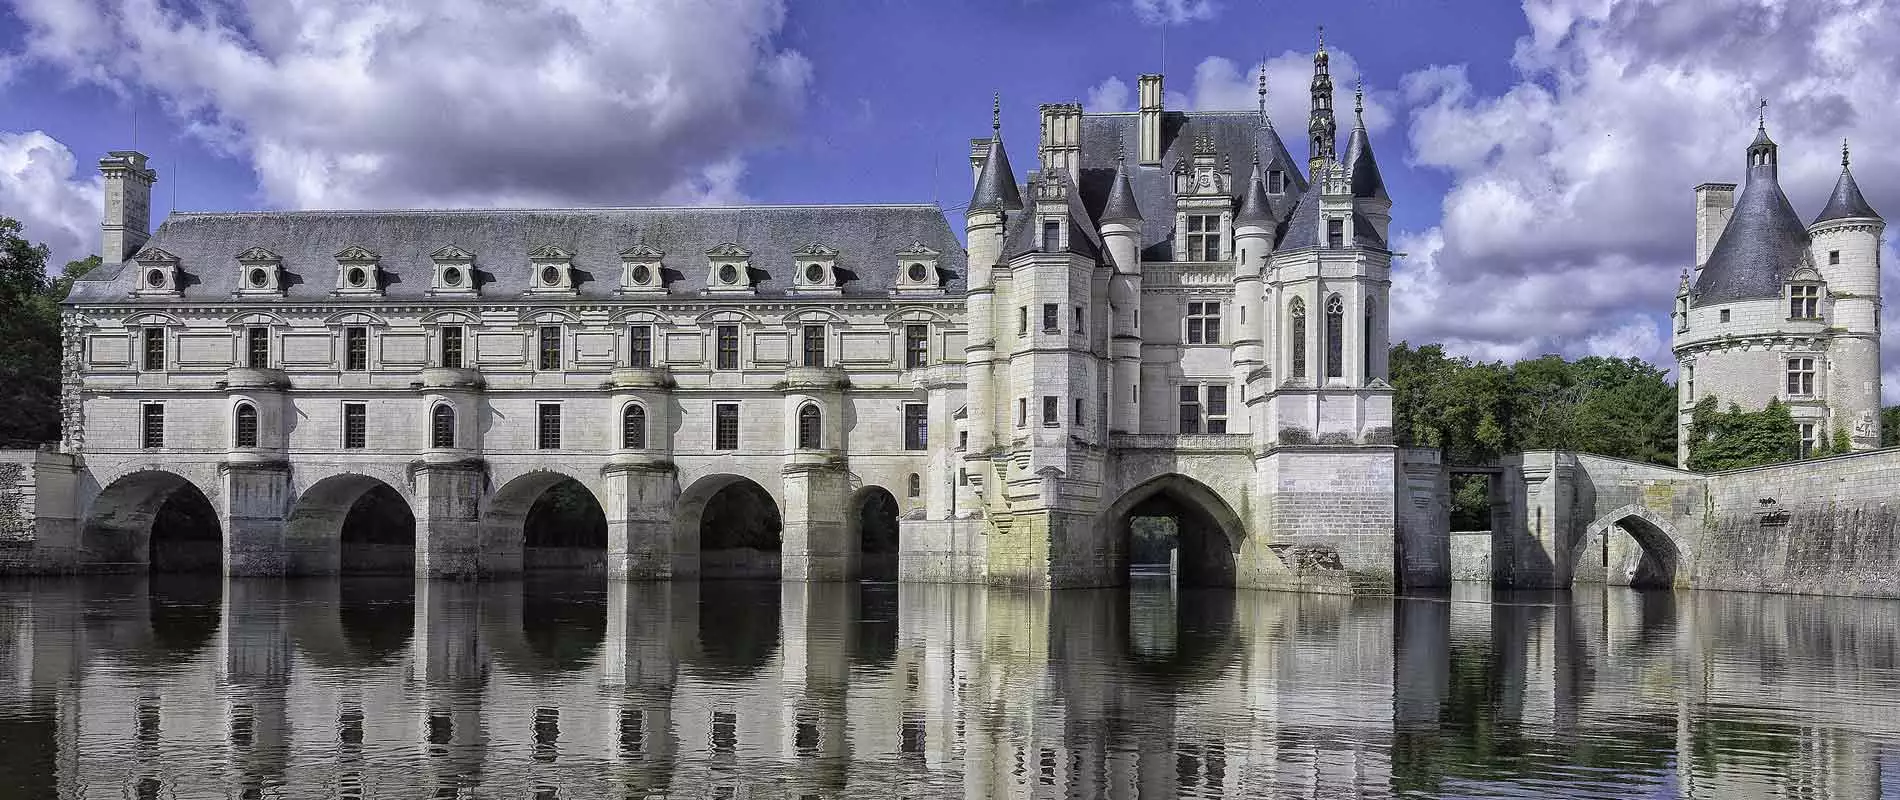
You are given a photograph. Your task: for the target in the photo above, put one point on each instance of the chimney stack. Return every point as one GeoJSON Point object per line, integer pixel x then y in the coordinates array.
{"type": "Point", "coordinates": [1714, 204]}
{"type": "Point", "coordinates": [1148, 138]}
{"type": "Point", "coordinates": [128, 212]}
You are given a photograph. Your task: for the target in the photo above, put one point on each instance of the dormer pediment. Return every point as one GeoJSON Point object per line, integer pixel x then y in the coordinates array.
{"type": "Point", "coordinates": [729, 269]}
{"type": "Point", "coordinates": [454, 272]}
{"type": "Point", "coordinates": [356, 255]}
{"type": "Point", "coordinates": [450, 252]}
{"type": "Point", "coordinates": [153, 255]}
{"type": "Point", "coordinates": [729, 250]}
{"type": "Point", "coordinates": [551, 271]}
{"type": "Point", "coordinates": [816, 250]}
{"type": "Point", "coordinates": [158, 273]}
{"type": "Point", "coordinates": [642, 270]}
{"type": "Point", "coordinates": [642, 252]}
{"type": "Point", "coordinates": [259, 272]}
{"type": "Point", "coordinates": [258, 255]}
{"type": "Point", "coordinates": [548, 252]}
{"type": "Point", "coordinates": [917, 270]}
{"type": "Point", "coordinates": [815, 270]}
{"type": "Point", "coordinates": [357, 272]}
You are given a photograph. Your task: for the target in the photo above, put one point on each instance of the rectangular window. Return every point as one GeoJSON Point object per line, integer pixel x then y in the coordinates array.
{"type": "Point", "coordinates": [1052, 237]}
{"type": "Point", "coordinates": [916, 427]}
{"type": "Point", "coordinates": [152, 425]}
{"type": "Point", "coordinates": [1276, 181]}
{"type": "Point", "coordinates": [1203, 323]}
{"type": "Point", "coordinates": [548, 431]}
{"type": "Point", "coordinates": [1804, 301]}
{"type": "Point", "coordinates": [355, 426]}
{"type": "Point", "coordinates": [257, 348]}
{"type": "Point", "coordinates": [154, 349]}
{"type": "Point", "coordinates": [963, 440]}
{"type": "Point", "coordinates": [1203, 238]}
{"type": "Point", "coordinates": [814, 339]}
{"type": "Point", "coordinates": [1051, 318]}
{"type": "Point", "coordinates": [1078, 320]}
{"type": "Point", "coordinates": [452, 346]}
{"type": "Point", "coordinates": [1216, 409]}
{"type": "Point", "coordinates": [1335, 233]}
{"type": "Point", "coordinates": [1800, 377]}
{"type": "Point", "coordinates": [727, 339]}
{"type": "Point", "coordinates": [1190, 409]}
{"type": "Point", "coordinates": [1833, 257]}
{"type": "Point", "coordinates": [1022, 412]}
{"type": "Point", "coordinates": [1724, 315]}
{"type": "Point", "coordinates": [726, 426]}
{"type": "Point", "coordinates": [1688, 382]}
{"type": "Point", "coordinates": [356, 349]}
{"type": "Point", "coordinates": [640, 346]}
{"type": "Point", "coordinates": [1076, 419]}
{"type": "Point", "coordinates": [550, 350]}
{"type": "Point", "coordinates": [1807, 439]}
{"type": "Point", "coordinates": [916, 346]}
{"type": "Point", "coordinates": [1051, 411]}
{"type": "Point", "coordinates": [1022, 321]}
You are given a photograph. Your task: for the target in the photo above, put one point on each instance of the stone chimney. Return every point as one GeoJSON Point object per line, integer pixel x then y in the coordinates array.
{"type": "Point", "coordinates": [1062, 137]}
{"type": "Point", "coordinates": [979, 154]}
{"type": "Point", "coordinates": [1148, 138]}
{"type": "Point", "coordinates": [1714, 204]}
{"type": "Point", "coordinates": [128, 218]}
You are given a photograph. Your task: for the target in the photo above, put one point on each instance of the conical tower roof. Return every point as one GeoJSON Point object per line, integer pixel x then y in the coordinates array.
{"type": "Point", "coordinates": [1121, 206]}
{"type": "Point", "coordinates": [1763, 243]}
{"type": "Point", "coordinates": [1254, 208]}
{"type": "Point", "coordinates": [1364, 169]}
{"type": "Point", "coordinates": [996, 186]}
{"type": "Point", "coordinates": [1846, 201]}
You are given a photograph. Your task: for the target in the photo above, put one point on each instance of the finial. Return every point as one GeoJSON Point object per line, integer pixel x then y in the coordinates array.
{"type": "Point", "coordinates": [1262, 91]}
{"type": "Point", "coordinates": [1359, 96]}
{"type": "Point", "coordinates": [1121, 149]}
{"type": "Point", "coordinates": [1843, 153]}
{"type": "Point", "coordinates": [1322, 38]}
{"type": "Point", "coordinates": [996, 114]}
{"type": "Point", "coordinates": [1761, 116]}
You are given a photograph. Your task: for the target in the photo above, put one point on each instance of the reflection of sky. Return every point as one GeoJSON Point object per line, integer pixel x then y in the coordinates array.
{"type": "Point", "coordinates": [886, 691]}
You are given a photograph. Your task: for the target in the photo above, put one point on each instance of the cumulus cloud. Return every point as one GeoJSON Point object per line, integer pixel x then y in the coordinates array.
{"type": "Point", "coordinates": [1571, 208]}
{"type": "Point", "coordinates": [40, 187]}
{"type": "Point", "coordinates": [1174, 12]}
{"type": "Point", "coordinates": [1221, 84]}
{"type": "Point", "coordinates": [377, 103]}
{"type": "Point", "coordinates": [1108, 96]}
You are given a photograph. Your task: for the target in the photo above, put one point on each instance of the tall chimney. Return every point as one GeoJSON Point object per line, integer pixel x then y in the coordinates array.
{"type": "Point", "coordinates": [979, 153]}
{"type": "Point", "coordinates": [1148, 138]}
{"type": "Point", "coordinates": [1714, 204]}
{"type": "Point", "coordinates": [128, 218]}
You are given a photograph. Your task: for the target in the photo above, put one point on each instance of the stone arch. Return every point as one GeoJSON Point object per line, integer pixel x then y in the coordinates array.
{"type": "Point", "coordinates": [118, 526]}
{"type": "Point", "coordinates": [321, 520]}
{"type": "Point", "coordinates": [505, 525]}
{"type": "Point", "coordinates": [871, 523]}
{"type": "Point", "coordinates": [1208, 532]}
{"type": "Point", "coordinates": [748, 554]}
{"type": "Point", "coordinates": [1665, 556]}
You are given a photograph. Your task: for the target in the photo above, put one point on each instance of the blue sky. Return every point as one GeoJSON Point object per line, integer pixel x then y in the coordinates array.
{"type": "Point", "coordinates": [1541, 156]}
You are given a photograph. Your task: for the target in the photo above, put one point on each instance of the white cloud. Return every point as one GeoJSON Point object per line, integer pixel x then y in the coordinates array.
{"type": "Point", "coordinates": [40, 187]}
{"type": "Point", "coordinates": [377, 103]}
{"type": "Point", "coordinates": [1570, 214]}
{"type": "Point", "coordinates": [1108, 96]}
{"type": "Point", "coordinates": [1174, 12]}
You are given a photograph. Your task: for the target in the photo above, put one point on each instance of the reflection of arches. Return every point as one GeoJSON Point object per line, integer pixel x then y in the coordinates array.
{"type": "Point", "coordinates": [156, 519]}
{"type": "Point", "coordinates": [563, 625]}
{"type": "Point", "coordinates": [738, 630]}
{"type": "Point", "coordinates": [1663, 559]}
{"type": "Point", "coordinates": [184, 612]}
{"type": "Point", "coordinates": [872, 525]}
{"type": "Point", "coordinates": [547, 520]}
{"type": "Point", "coordinates": [354, 622]}
{"type": "Point", "coordinates": [874, 644]}
{"type": "Point", "coordinates": [351, 522]}
{"type": "Point", "coordinates": [735, 525]}
{"type": "Point", "coordinates": [1207, 531]}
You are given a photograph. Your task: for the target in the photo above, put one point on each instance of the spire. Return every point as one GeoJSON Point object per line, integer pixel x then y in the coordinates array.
{"type": "Point", "coordinates": [1761, 151]}
{"type": "Point", "coordinates": [1846, 202]}
{"type": "Point", "coordinates": [1363, 168]}
{"type": "Point", "coordinates": [996, 186]}
{"type": "Point", "coordinates": [1254, 209]}
{"type": "Point", "coordinates": [1265, 121]}
{"type": "Point", "coordinates": [1763, 240]}
{"type": "Point", "coordinates": [1322, 132]}
{"type": "Point", "coordinates": [1121, 205]}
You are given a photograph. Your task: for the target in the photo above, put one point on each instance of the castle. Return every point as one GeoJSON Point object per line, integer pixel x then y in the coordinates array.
{"type": "Point", "coordinates": [1776, 310]}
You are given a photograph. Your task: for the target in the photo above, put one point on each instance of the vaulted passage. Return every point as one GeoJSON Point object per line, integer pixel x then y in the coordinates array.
{"type": "Point", "coordinates": [1660, 556]}
{"type": "Point", "coordinates": [185, 535]}
{"type": "Point", "coordinates": [153, 520]}
{"type": "Point", "coordinates": [875, 517]}
{"type": "Point", "coordinates": [1175, 527]}
{"type": "Point", "coordinates": [737, 525]}
{"type": "Point", "coordinates": [351, 524]}
{"type": "Point", "coordinates": [565, 530]}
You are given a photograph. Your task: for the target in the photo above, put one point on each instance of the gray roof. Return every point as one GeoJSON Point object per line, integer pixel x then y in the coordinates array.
{"type": "Point", "coordinates": [1121, 205]}
{"type": "Point", "coordinates": [1254, 205]}
{"type": "Point", "coordinates": [1846, 202]}
{"type": "Point", "coordinates": [1301, 228]}
{"type": "Point", "coordinates": [996, 185]}
{"type": "Point", "coordinates": [1761, 246]}
{"type": "Point", "coordinates": [1238, 139]}
{"type": "Point", "coordinates": [1366, 182]}
{"type": "Point", "coordinates": [867, 238]}
{"type": "Point", "coordinates": [1022, 234]}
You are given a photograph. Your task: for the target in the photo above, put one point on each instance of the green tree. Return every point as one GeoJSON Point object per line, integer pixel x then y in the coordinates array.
{"type": "Point", "coordinates": [1737, 439]}
{"type": "Point", "coordinates": [1890, 426]}
{"type": "Point", "coordinates": [29, 327]}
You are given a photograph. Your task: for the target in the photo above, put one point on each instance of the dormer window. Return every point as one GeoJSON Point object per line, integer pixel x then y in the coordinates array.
{"type": "Point", "coordinates": [917, 270]}
{"type": "Point", "coordinates": [258, 272]}
{"type": "Point", "coordinates": [454, 272]}
{"type": "Point", "coordinates": [158, 273]}
{"type": "Point", "coordinates": [1203, 237]}
{"type": "Point", "coordinates": [641, 270]}
{"type": "Point", "coordinates": [815, 273]}
{"type": "Point", "coordinates": [553, 271]}
{"type": "Point", "coordinates": [1052, 237]}
{"type": "Point", "coordinates": [1804, 301]}
{"type": "Point", "coordinates": [357, 272]}
{"type": "Point", "coordinates": [729, 269]}
{"type": "Point", "coordinates": [1276, 182]}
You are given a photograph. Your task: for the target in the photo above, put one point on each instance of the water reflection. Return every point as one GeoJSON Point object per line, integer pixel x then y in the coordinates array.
{"type": "Point", "coordinates": [570, 689]}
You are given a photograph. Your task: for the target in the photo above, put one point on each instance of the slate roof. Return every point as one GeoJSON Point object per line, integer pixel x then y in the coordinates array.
{"type": "Point", "coordinates": [1762, 245]}
{"type": "Point", "coordinates": [996, 184]}
{"type": "Point", "coordinates": [1121, 204]}
{"type": "Point", "coordinates": [1021, 235]}
{"type": "Point", "coordinates": [1301, 228]}
{"type": "Point", "coordinates": [1846, 202]}
{"type": "Point", "coordinates": [1364, 169]}
{"type": "Point", "coordinates": [867, 238]}
{"type": "Point", "coordinates": [1255, 207]}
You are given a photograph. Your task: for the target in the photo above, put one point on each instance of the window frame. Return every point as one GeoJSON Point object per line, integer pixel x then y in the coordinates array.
{"type": "Point", "coordinates": [1335, 337]}
{"type": "Point", "coordinates": [1335, 233]}
{"type": "Point", "coordinates": [1804, 296]}
{"type": "Point", "coordinates": [244, 427]}
{"type": "Point", "coordinates": [547, 426]}
{"type": "Point", "coordinates": [811, 427]}
{"type": "Point", "coordinates": [1051, 411]}
{"type": "Point", "coordinates": [1203, 237]}
{"type": "Point", "coordinates": [1296, 323]}
{"type": "Point", "coordinates": [1203, 320]}
{"type": "Point", "coordinates": [1806, 433]}
{"type": "Point", "coordinates": [725, 415]}
{"type": "Point", "coordinates": [1214, 396]}
{"type": "Point", "coordinates": [151, 425]}
{"type": "Point", "coordinates": [451, 340]}
{"type": "Point", "coordinates": [1022, 412]}
{"type": "Point", "coordinates": [633, 427]}
{"type": "Point", "coordinates": [355, 425]}
{"type": "Point", "coordinates": [152, 350]}
{"type": "Point", "coordinates": [356, 348]}
{"type": "Point", "coordinates": [1051, 236]}
{"type": "Point", "coordinates": [1800, 372]}
{"type": "Point", "coordinates": [1188, 409]}
{"type": "Point", "coordinates": [640, 345]}
{"type": "Point", "coordinates": [726, 346]}
{"type": "Point", "coordinates": [1051, 317]}
{"type": "Point", "coordinates": [548, 356]}
{"type": "Point", "coordinates": [916, 424]}
{"type": "Point", "coordinates": [916, 346]}
{"type": "Point", "coordinates": [812, 345]}
{"type": "Point", "coordinates": [257, 347]}
{"type": "Point", "coordinates": [442, 437]}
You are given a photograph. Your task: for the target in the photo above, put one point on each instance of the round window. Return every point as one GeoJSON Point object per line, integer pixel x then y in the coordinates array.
{"type": "Point", "coordinates": [814, 273]}
{"type": "Point", "coordinates": [357, 277]}
{"type": "Point", "coordinates": [550, 275]}
{"type": "Point", "coordinates": [728, 274]}
{"type": "Point", "coordinates": [452, 276]}
{"type": "Point", "coordinates": [642, 274]}
{"type": "Point", "coordinates": [258, 278]}
{"type": "Point", "coordinates": [155, 278]}
{"type": "Point", "coordinates": [918, 273]}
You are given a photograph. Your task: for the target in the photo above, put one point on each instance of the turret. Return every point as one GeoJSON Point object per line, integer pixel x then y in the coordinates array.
{"type": "Point", "coordinates": [1253, 241]}
{"type": "Point", "coordinates": [1121, 232]}
{"type": "Point", "coordinates": [1846, 250]}
{"type": "Point", "coordinates": [1322, 132]}
{"type": "Point", "coordinates": [1368, 187]}
{"type": "Point", "coordinates": [995, 197]}
{"type": "Point", "coordinates": [128, 213]}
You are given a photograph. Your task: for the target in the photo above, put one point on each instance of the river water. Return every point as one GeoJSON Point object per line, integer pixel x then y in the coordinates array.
{"type": "Point", "coordinates": [572, 687]}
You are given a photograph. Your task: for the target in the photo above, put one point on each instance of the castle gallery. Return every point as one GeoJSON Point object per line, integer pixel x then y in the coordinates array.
{"type": "Point", "coordinates": [1165, 316]}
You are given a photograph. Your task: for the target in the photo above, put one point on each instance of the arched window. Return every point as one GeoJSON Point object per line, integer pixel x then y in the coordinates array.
{"type": "Point", "coordinates": [633, 427]}
{"type": "Point", "coordinates": [1335, 337]}
{"type": "Point", "coordinates": [245, 426]}
{"type": "Point", "coordinates": [442, 426]}
{"type": "Point", "coordinates": [916, 485]}
{"type": "Point", "coordinates": [1296, 314]}
{"type": "Point", "coordinates": [1366, 339]}
{"type": "Point", "coordinates": [809, 427]}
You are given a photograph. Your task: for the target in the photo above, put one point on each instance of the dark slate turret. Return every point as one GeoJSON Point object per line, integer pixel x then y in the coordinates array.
{"type": "Point", "coordinates": [996, 186]}
{"type": "Point", "coordinates": [1254, 207]}
{"type": "Point", "coordinates": [1846, 202]}
{"type": "Point", "coordinates": [1764, 241]}
{"type": "Point", "coordinates": [1121, 206]}
{"type": "Point", "coordinates": [1364, 169]}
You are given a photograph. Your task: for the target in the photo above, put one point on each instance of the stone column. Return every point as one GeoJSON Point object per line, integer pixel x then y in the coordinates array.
{"type": "Point", "coordinates": [448, 520]}
{"type": "Point", "coordinates": [639, 498]}
{"type": "Point", "coordinates": [816, 541]}
{"type": "Point", "coordinates": [253, 505]}
{"type": "Point", "coordinates": [1424, 520]}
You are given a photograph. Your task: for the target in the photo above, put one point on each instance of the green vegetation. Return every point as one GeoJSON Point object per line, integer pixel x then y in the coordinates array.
{"type": "Point", "coordinates": [1736, 439]}
{"type": "Point", "coordinates": [29, 325]}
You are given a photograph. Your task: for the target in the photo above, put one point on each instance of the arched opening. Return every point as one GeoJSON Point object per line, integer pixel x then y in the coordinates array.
{"type": "Point", "coordinates": [566, 529]}
{"type": "Point", "coordinates": [351, 524]}
{"type": "Point", "coordinates": [737, 525]}
{"type": "Point", "coordinates": [442, 426]}
{"type": "Point", "coordinates": [1175, 529]}
{"type": "Point", "coordinates": [633, 427]}
{"type": "Point", "coordinates": [1296, 337]}
{"type": "Point", "coordinates": [874, 515]}
{"type": "Point", "coordinates": [1656, 559]}
{"type": "Point", "coordinates": [810, 427]}
{"type": "Point", "coordinates": [244, 425]}
{"type": "Point", "coordinates": [185, 535]}
{"type": "Point", "coordinates": [153, 520]}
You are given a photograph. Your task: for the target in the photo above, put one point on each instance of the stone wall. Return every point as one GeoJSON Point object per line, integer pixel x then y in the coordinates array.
{"type": "Point", "coordinates": [1471, 556]}
{"type": "Point", "coordinates": [1829, 527]}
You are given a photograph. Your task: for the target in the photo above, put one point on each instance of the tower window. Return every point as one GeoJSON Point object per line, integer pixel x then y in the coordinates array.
{"type": "Point", "coordinates": [548, 429]}
{"type": "Point", "coordinates": [810, 427]}
{"type": "Point", "coordinates": [245, 425]}
{"type": "Point", "coordinates": [1022, 321]}
{"type": "Point", "coordinates": [1076, 418]}
{"type": "Point", "coordinates": [452, 346]}
{"type": "Point", "coordinates": [154, 360]}
{"type": "Point", "coordinates": [727, 343]}
{"type": "Point", "coordinates": [152, 425]}
{"type": "Point", "coordinates": [915, 485]}
{"type": "Point", "coordinates": [814, 336]}
{"type": "Point", "coordinates": [1276, 181]}
{"type": "Point", "coordinates": [1724, 315]}
{"type": "Point", "coordinates": [1022, 412]}
{"type": "Point", "coordinates": [1190, 409]}
{"type": "Point", "coordinates": [1807, 439]}
{"type": "Point", "coordinates": [257, 348]}
{"type": "Point", "coordinates": [1052, 237]}
{"type": "Point", "coordinates": [1203, 238]}
{"type": "Point", "coordinates": [355, 426]}
{"type": "Point", "coordinates": [633, 427]}
{"type": "Point", "coordinates": [726, 426]}
{"type": "Point", "coordinates": [442, 426]}
{"type": "Point", "coordinates": [550, 352]}
{"type": "Point", "coordinates": [1051, 411]}
{"type": "Point", "coordinates": [1365, 346]}
{"type": "Point", "coordinates": [1800, 377]}
{"type": "Point", "coordinates": [1078, 319]}
{"type": "Point", "coordinates": [1335, 233]}
{"type": "Point", "coordinates": [1216, 409]}
{"type": "Point", "coordinates": [916, 426]}
{"type": "Point", "coordinates": [1297, 338]}
{"type": "Point", "coordinates": [640, 346]}
{"type": "Point", "coordinates": [1203, 323]}
{"type": "Point", "coordinates": [1051, 318]}
{"type": "Point", "coordinates": [355, 349]}
{"type": "Point", "coordinates": [1833, 257]}
{"type": "Point", "coordinates": [1688, 382]}
{"type": "Point", "coordinates": [916, 346]}
{"type": "Point", "coordinates": [1804, 301]}
{"type": "Point", "coordinates": [1335, 337]}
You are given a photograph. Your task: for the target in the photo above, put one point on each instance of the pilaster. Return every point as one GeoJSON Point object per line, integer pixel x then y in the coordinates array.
{"type": "Point", "coordinates": [252, 511]}
{"type": "Point", "coordinates": [449, 523]}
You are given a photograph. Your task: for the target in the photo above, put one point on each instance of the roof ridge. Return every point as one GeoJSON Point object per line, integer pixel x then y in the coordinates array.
{"type": "Point", "coordinates": [523, 210]}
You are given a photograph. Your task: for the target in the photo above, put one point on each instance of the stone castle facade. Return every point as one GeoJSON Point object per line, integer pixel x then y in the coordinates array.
{"type": "Point", "coordinates": [1778, 310]}
{"type": "Point", "coordinates": [1167, 316]}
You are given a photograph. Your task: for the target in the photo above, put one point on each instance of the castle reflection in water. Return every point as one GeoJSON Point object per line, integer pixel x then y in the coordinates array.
{"type": "Point", "coordinates": [568, 688]}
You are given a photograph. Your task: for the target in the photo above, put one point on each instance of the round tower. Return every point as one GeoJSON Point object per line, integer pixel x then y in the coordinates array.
{"type": "Point", "coordinates": [993, 200]}
{"type": "Point", "coordinates": [1253, 241]}
{"type": "Point", "coordinates": [1121, 233]}
{"type": "Point", "coordinates": [1846, 250]}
